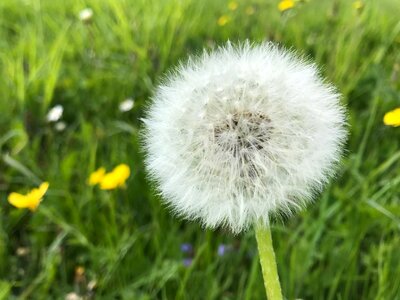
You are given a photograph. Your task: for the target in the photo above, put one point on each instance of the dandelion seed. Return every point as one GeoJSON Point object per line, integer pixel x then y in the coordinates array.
{"type": "Point", "coordinates": [86, 14]}
{"type": "Point", "coordinates": [358, 5]}
{"type": "Point", "coordinates": [31, 200]}
{"type": "Point", "coordinates": [97, 176]}
{"type": "Point", "coordinates": [126, 105]}
{"type": "Point", "coordinates": [116, 178]}
{"type": "Point", "coordinates": [55, 113]}
{"type": "Point", "coordinates": [233, 5]}
{"type": "Point", "coordinates": [270, 136]}
{"type": "Point", "coordinates": [285, 5]}
{"type": "Point", "coordinates": [392, 118]}
{"type": "Point", "coordinates": [223, 20]}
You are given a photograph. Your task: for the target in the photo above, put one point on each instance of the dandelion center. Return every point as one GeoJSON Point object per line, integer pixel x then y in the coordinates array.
{"type": "Point", "coordinates": [243, 132]}
{"type": "Point", "coordinates": [242, 136]}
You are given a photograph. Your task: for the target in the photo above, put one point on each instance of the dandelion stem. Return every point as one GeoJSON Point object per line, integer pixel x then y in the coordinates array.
{"type": "Point", "coordinates": [268, 263]}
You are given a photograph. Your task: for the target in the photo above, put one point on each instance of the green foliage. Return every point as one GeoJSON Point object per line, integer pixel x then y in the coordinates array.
{"type": "Point", "coordinates": [346, 246]}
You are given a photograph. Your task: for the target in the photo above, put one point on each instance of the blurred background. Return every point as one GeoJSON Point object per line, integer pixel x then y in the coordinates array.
{"type": "Point", "coordinates": [75, 77]}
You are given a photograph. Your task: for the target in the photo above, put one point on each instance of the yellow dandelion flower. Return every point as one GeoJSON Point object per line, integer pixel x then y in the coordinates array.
{"type": "Point", "coordinates": [79, 271]}
{"type": "Point", "coordinates": [232, 5]}
{"type": "Point", "coordinates": [358, 5]}
{"type": "Point", "coordinates": [250, 10]}
{"type": "Point", "coordinates": [285, 5]}
{"type": "Point", "coordinates": [96, 176]}
{"type": "Point", "coordinates": [392, 118]}
{"type": "Point", "coordinates": [31, 200]}
{"type": "Point", "coordinates": [223, 20]}
{"type": "Point", "coordinates": [116, 178]}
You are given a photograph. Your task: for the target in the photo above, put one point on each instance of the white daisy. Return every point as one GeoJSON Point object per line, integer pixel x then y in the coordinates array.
{"type": "Point", "coordinates": [60, 126]}
{"type": "Point", "coordinates": [55, 113]}
{"type": "Point", "coordinates": [86, 14]}
{"type": "Point", "coordinates": [126, 105]}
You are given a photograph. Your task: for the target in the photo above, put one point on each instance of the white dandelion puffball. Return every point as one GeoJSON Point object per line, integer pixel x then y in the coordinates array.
{"type": "Point", "coordinates": [243, 133]}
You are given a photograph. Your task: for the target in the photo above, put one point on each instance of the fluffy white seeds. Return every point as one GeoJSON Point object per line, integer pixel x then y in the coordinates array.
{"type": "Point", "coordinates": [242, 133]}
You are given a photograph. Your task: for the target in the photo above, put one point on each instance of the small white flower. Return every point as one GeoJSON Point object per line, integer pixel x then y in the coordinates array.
{"type": "Point", "coordinates": [126, 105]}
{"type": "Point", "coordinates": [60, 126]}
{"type": "Point", "coordinates": [23, 251]}
{"type": "Point", "coordinates": [72, 296]}
{"type": "Point", "coordinates": [91, 285]}
{"type": "Point", "coordinates": [243, 133]}
{"type": "Point", "coordinates": [55, 113]}
{"type": "Point", "coordinates": [86, 14]}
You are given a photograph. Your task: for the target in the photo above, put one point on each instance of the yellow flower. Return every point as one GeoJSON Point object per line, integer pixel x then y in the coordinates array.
{"type": "Point", "coordinates": [358, 5]}
{"type": "Point", "coordinates": [30, 200]}
{"type": "Point", "coordinates": [250, 10]}
{"type": "Point", "coordinates": [116, 178]}
{"type": "Point", "coordinates": [96, 176]}
{"type": "Point", "coordinates": [285, 5]}
{"type": "Point", "coordinates": [232, 5]}
{"type": "Point", "coordinates": [223, 20]}
{"type": "Point", "coordinates": [392, 118]}
{"type": "Point", "coordinates": [79, 271]}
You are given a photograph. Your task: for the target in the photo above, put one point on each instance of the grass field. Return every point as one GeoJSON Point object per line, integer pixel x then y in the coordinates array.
{"type": "Point", "coordinates": [123, 243]}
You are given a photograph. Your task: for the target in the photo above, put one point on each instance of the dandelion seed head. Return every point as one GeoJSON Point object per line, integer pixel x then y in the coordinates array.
{"type": "Point", "coordinates": [243, 133]}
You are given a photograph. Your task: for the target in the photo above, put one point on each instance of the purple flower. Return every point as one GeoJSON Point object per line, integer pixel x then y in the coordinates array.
{"type": "Point", "coordinates": [223, 249]}
{"type": "Point", "coordinates": [187, 262]}
{"type": "Point", "coordinates": [186, 248]}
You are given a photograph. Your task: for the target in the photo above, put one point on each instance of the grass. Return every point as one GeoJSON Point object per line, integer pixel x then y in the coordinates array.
{"type": "Point", "coordinates": [345, 246]}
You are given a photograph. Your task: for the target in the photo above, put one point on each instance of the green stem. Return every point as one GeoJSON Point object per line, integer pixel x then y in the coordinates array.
{"type": "Point", "coordinates": [268, 263]}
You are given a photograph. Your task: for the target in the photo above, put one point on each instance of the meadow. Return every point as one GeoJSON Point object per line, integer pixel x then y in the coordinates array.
{"type": "Point", "coordinates": [83, 242]}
